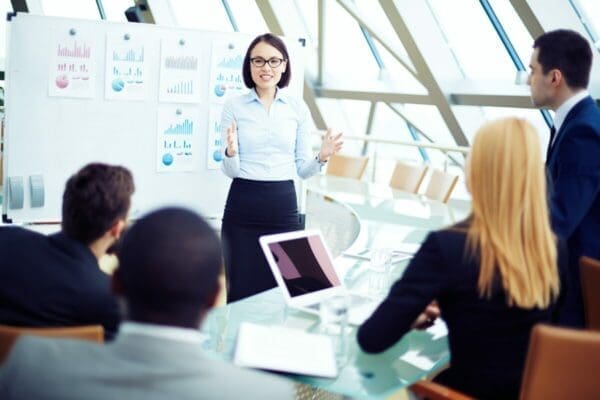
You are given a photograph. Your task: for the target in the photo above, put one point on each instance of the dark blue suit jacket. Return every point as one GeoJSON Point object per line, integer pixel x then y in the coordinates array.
{"type": "Point", "coordinates": [488, 339]}
{"type": "Point", "coordinates": [52, 281]}
{"type": "Point", "coordinates": [573, 167]}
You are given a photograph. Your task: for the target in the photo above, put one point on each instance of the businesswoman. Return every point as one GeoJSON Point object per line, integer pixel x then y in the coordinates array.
{"type": "Point", "coordinates": [267, 144]}
{"type": "Point", "coordinates": [494, 276]}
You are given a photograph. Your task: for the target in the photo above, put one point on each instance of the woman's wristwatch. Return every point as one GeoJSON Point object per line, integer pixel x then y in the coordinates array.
{"type": "Point", "coordinates": [319, 160]}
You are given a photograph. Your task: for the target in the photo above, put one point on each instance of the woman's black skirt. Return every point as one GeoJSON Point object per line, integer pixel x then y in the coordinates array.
{"type": "Point", "coordinates": [253, 209]}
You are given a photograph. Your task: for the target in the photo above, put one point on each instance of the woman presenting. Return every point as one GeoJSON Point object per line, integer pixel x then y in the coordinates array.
{"type": "Point", "coordinates": [267, 144]}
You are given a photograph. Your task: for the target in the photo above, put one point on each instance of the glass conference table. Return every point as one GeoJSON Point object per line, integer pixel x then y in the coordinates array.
{"type": "Point", "coordinates": [353, 216]}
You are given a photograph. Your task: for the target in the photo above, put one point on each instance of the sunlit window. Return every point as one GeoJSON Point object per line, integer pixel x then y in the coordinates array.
{"type": "Point", "coordinates": [472, 39]}
{"type": "Point", "coordinates": [248, 17]}
{"type": "Point", "coordinates": [515, 29]}
{"type": "Point", "coordinates": [115, 9]}
{"type": "Point", "coordinates": [590, 10]}
{"type": "Point", "coordinates": [207, 15]}
{"type": "Point", "coordinates": [87, 9]}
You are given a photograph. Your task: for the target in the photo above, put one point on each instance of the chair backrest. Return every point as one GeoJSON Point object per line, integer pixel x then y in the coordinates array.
{"type": "Point", "coordinates": [561, 364]}
{"type": "Point", "coordinates": [10, 334]}
{"type": "Point", "coordinates": [408, 177]}
{"type": "Point", "coordinates": [434, 391]}
{"type": "Point", "coordinates": [346, 166]}
{"type": "Point", "coordinates": [441, 185]}
{"type": "Point", "coordinates": [590, 282]}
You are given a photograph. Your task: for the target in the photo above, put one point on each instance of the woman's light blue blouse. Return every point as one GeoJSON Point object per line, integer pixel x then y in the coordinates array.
{"type": "Point", "coordinates": [272, 146]}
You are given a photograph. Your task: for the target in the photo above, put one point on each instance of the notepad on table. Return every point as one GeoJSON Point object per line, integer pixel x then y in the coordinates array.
{"type": "Point", "coordinates": [282, 349]}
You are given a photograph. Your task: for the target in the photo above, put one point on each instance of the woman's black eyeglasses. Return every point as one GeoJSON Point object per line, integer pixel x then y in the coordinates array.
{"type": "Point", "coordinates": [273, 62]}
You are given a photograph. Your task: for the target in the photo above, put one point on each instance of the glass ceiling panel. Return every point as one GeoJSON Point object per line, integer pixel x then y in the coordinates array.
{"type": "Point", "coordinates": [472, 39]}
{"type": "Point", "coordinates": [72, 9]}
{"type": "Point", "coordinates": [207, 15]}
{"type": "Point", "coordinates": [590, 10]}
{"type": "Point", "coordinates": [348, 58]}
{"type": "Point", "coordinates": [515, 29]}
{"type": "Point", "coordinates": [115, 9]}
{"type": "Point", "coordinates": [248, 17]}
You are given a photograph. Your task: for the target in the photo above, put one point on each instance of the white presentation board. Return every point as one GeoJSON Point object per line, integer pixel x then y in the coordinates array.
{"type": "Point", "coordinates": [139, 95]}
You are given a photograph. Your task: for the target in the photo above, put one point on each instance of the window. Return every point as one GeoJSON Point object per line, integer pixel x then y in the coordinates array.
{"type": "Point", "coordinates": [115, 9]}
{"type": "Point", "coordinates": [87, 9]}
{"type": "Point", "coordinates": [207, 15]}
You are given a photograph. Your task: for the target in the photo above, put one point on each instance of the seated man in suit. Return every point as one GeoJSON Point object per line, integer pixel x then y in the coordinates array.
{"type": "Point", "coordinates": [168, 278]}
{"type": "Point", "coordinates": [55, 280]}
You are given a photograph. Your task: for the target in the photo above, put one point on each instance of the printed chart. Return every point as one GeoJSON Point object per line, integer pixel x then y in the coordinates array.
{"type": "Point", "coordinates": [180, 80]}
{"type": "Point", "coordinates": [126, 69]}
{"type": "Point", "coordinates": [226, 70]}
{"type": "Point", "coordinates": [72, 67]}
{"type": "Point", "coordinates": [177, 139]}
{"type": "Point", "coordinates": [214, 153]}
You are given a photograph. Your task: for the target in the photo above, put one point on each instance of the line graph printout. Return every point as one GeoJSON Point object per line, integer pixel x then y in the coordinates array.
{"type": "Point", "coordinates": [177, 139]}
{"type": "Point", "coordinates": [214, 155]}
{"type": "Point", "coordinates": [72, 66]}
{"type": "Point", "coordinates": [180, 80]}
{"type": "Point", "coordinates": [226, 70]}
{"type": "Point", "coordinates": [126, 68]}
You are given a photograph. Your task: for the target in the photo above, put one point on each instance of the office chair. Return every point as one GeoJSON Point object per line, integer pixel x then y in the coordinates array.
{"type": "Point", "coordinates": [590, 282]}
{"type": "Point", "coordinates": [408, 177]}
{"type": "Point", "coordinates": [346, 166]}
{"type": "Point", "coordinates": [561, 364]}
{"type": "Point", "coordinates": [10, 334]}
{"type": "Point", "coordinates": [441, 184]}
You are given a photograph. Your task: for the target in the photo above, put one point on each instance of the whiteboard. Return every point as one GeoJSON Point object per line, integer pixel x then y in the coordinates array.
{"type": "Point", "coordinates": [56, 121]}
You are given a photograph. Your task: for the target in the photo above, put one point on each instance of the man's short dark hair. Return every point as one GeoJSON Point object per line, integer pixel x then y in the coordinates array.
{"type": "Point", "coordinates": [94, 199]}
{"type": "Point", "coordinates": [279, 45]}
{"type": "Point", "coordinates": [169, 266]}
{"type": "Point", "coordinates": [568, 52]}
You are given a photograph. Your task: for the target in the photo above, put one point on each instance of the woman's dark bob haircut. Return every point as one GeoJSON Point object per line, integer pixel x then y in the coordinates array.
{"type": "Point", "coordinates": [279, 45]}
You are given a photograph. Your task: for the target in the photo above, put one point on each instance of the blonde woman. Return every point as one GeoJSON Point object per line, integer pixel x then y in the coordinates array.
{"type": "Point", "coordinates": [493, 276]}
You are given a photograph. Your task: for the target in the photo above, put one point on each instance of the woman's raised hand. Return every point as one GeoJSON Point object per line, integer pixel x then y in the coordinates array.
{"type": "Point", "coordinates": [331, 144]}
{"type": "Point", "coordinates": [232, 140]}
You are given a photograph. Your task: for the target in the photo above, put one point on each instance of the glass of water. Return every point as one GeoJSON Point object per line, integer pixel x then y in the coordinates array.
{"type": "Point", "coordinates": [333, 315]}
{"type": "Point", "coordinates": [379, 270]}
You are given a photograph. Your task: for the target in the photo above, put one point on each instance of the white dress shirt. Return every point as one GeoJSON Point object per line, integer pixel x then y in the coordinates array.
{"type": "Point", "coordinates": [273, 145]}
{"type": "Point", "coordinates": [563, 110]}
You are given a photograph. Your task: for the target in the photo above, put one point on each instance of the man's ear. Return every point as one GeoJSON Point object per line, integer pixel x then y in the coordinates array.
{"type": "Point", "coordinates": [557, 77]}
{"type": "Point", "coordinates": [117, 228]}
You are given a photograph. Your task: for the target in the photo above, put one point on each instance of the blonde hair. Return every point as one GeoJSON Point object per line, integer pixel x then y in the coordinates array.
{"type": "Point", "coordinates": [510, 228]}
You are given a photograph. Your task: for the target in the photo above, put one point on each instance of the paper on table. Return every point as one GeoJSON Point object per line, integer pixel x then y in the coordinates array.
{"type": "Point", "coordinates": [414, 358]}
{"type": "Point", "coordinates": [283, 349]}
{"type": "Point", "coordinates": [402, 252]}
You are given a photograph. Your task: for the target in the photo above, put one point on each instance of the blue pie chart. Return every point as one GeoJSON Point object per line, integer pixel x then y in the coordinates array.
{"type": "Point", "coordinates": [118, 85]}
{"type": "Point", "coordinates": [167, 159]}
{"type": "Point", "coordinates": [220, 90]}
{"type": "Point", "coordinates": [217, 156]}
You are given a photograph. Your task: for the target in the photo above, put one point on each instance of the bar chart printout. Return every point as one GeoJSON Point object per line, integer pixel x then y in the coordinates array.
{"type": "Point", "coordinates": [180, 80]}
{"type": "Point", "coordinates": [226, 70]}
{"type": "Point", "coordinates": [177, 139]}
{"type": "Point", "coordinates": [72, 66]}
{"type": "Point", "coordinates": [126, 75]}
{"type": "Point", "coordinates": [214, 154]}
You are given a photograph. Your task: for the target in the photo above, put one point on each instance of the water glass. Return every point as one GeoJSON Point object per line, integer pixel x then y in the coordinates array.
{"type": "Point", "coordinates": [379, 270]}
{"type": "Point", "coordinates": [333, 315]}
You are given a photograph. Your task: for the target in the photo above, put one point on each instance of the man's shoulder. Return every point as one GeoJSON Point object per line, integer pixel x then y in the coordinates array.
{"type": "Point", "coordinates": [47, 356]}
{"type": "Point", "coordinates": [10, 234]}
